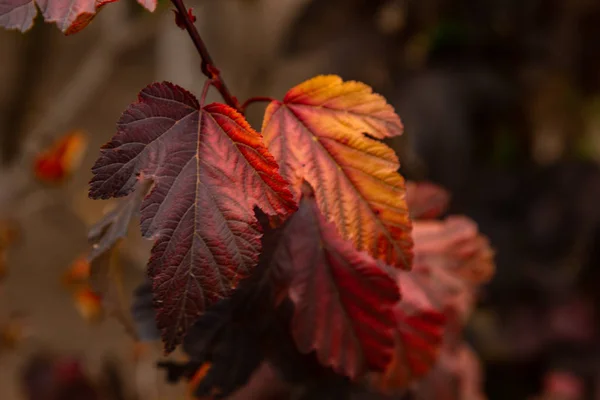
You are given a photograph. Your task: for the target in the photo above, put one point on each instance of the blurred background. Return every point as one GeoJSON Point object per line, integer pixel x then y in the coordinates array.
{"type": "Point", "coordinates": [501, 104]}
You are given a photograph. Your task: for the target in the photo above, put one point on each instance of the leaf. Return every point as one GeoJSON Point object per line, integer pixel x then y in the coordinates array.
{"type": "Point", "coordinates": [320, 133]}
{"type": "Point", "coordinates": [453, 252]}
{"type": "Point", "coordinates": [426, 200]}
{"type": "Point", "coordinates": [418, 339]}
{"type": "Point", "coordinates": [451, 257]}
{"type": "Point", "coordinates": [70, 16]}
{"type": "Point", "coordinates": [209, 169]}
{"type": "Point", "coordinates": [58, 162]}
{"type": "Point", "coordinates": [88, 303]}
{"type": "Point", "coordinates": [78, 272]}
{"type": "Point", "coordinates": [96, 286]}
{"type": "Point", "coordinates": [114, 225]}
{"type": "Point", "coordinates": [229, 341]}
{"type": "Point", "coordinates": [224, 347]}
{"type": "Point", "coordinates": [343, 298]}
{"type": "Point", "coordinates": [106, 280]}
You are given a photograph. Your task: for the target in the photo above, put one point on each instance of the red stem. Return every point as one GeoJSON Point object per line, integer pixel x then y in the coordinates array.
{"type": "Point", "coordinates": [255, 99]}
{"type": "Point", "coordinates": [208, 67]}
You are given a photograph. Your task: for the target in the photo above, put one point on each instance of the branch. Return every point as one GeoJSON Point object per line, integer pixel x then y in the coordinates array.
{"type": "Point", "coordinates": [256, 99]}
{"type": "Point", "coordinates": [208, 67]}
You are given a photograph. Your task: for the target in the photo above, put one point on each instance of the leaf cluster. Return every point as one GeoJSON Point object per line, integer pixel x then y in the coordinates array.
{"type": "Point", "coordinates": [289, 248]}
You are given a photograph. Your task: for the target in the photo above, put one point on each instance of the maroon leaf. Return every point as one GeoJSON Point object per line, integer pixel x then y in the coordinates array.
{"type": "Point", "coordinates": [343, 298]}
{"type": "Point", "coordinates": [209, 168]}
{"type": "Point", "coordinates": [70, 15]}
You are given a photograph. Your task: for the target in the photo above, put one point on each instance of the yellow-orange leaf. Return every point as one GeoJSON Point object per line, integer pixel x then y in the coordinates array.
{"type": "Point", "coordinates": [89, 304]}
{"type": "Point", "coordinates": [322, 133]}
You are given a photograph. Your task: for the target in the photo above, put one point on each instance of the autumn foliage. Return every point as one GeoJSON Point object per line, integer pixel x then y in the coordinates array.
{"type": "Point", "coordinates": [298, 246]}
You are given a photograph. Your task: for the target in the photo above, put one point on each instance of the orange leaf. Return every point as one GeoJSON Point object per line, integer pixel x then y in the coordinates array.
{"type": "Point", "coordinates": [320, 134]}
{"type": "Point", "coordinates": [89, 304]}
{"type": "Point", "coordinates": [78, 272]}
{"type": "Point", "coordinates": [197, 378]}
{"type": "Point", "coordinates": [57, 163]}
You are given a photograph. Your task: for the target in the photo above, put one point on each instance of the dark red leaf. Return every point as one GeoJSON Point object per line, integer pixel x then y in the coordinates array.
{"type": "Point", "coordinates": [70, 15]}
{"type": "Point", "coordinates": [343, 298]}
{"type": "Point", "coordinates": [209, 168]}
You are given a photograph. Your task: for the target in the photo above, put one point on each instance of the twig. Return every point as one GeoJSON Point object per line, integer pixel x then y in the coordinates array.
{"type": "Point", "coordinates": [255, 99]}
{"type": "Point", "coordinates": [208, 67]}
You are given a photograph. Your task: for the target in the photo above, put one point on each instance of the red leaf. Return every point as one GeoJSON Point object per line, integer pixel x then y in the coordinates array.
{"type": "Point", "coordinates": [56, 163]}
{"type": "Point", "coordinates": [343, 298]}
{"type": "Point", "coordinates": [70, 15]}
{"type": "Point", "coordinates": [78, 272]}
{"type": "Point", "coordinates": [451, 257]}
{"type": "Point", "coordinates": [426, 200]}
{"type": "Point", "coordinates": [418, 339]}
{"type": "Point", "coordinates": [453, 251]}
{"type": "Point", "coordinates": [209, 169]}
